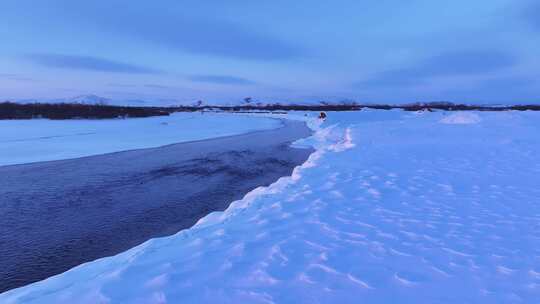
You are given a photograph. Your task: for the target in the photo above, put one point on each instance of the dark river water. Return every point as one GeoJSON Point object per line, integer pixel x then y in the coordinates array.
{"type": "Point", "coordinates": [57, 215]}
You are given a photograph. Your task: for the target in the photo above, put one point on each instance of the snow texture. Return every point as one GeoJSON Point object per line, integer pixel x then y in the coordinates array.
{"type": "Point", "coordinates": [461, 118]}
{"type": "Point", "coordinates": [393, 207]}
{"type": "Point", "coordinates": [25, 141]}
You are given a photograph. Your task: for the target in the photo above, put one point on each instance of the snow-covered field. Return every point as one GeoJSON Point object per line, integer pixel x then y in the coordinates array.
{"type": "Point", "coordinates": [25, 141]}
{"type": "Point", "coordinates": [393, 207]}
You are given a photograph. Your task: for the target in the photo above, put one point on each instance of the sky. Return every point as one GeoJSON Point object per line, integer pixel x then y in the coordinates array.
{"type": "Point", "coordinates": [387, 51]}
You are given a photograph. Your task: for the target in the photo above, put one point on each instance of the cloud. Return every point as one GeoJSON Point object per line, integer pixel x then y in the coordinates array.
{"type": "Point", "coordinates": [16, 77]}
{"type": "Point", "coordinates": [212, 37]}
{"type": "Point", "coordinates": [148, 85]}
{"type": "Point", "coordinates": [201, 36]}
{"type": "Point", "coordinates": [89, 63]}
{"type": "Point", "coordinates": [531, 14]}
{"type": "Point", "coordinates": [465, 63]}
{"type": "Point", "coordinates": [156, 86]}
{"type": "Point", "coordinates": [121, 85]}
{"type": "Point", "coordinates": [504, 89]}
{"type": "Point", "coordinates": [221, 79]}
{"type": "Point", "coordinates": [448, 64]}
{"type": "Point", "coordinates": [195, 27]}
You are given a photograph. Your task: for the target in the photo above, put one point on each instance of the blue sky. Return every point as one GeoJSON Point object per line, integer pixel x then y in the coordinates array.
{"type": "Point", "coordinates": [371, 51]}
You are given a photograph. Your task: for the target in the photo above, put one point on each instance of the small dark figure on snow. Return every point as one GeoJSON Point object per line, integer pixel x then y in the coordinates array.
{"type": "Point", "coordinates": [322, 115]}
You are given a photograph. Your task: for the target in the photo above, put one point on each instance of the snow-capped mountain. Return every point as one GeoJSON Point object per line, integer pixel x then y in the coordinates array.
{"type": "Point", "coordinates": [89, 99]}
{"type": "Point", "coordinates": [92, 99]}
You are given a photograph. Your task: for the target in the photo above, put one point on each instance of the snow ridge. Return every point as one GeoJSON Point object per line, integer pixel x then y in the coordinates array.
{"type": "Point", "coordinates": [75, 282]}
{"type": "Point", "coordinates": [324, 140]}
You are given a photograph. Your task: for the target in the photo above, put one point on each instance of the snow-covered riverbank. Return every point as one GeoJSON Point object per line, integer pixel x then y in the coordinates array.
{"type": "Point", "coordinates": [393, 207]}
{"type": "Point", "coordinates": [25, 141]}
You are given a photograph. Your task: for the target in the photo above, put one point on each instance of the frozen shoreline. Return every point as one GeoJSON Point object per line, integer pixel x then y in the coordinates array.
{"type": "Point", "coordinates": [26, 141]}
{"type": "Point", "coordinates": [77, 210]}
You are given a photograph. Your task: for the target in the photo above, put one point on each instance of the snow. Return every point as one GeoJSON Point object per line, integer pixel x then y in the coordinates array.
{"type": "Point", "coordinates": [392, 207]}
{"type": "Point", "coordinates": [95, 99]}
{"type": "Point", "coordinates": [461, 118]}
{"type": "Point", "coordinates": [24, 141]}
{"type": "Point", "coordinates": [89, 99]}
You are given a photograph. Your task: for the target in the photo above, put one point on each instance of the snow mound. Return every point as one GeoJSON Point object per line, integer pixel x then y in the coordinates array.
{"type": "Point", "coordinates": [461, 118]}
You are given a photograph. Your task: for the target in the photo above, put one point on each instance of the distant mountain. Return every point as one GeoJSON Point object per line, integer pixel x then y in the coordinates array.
{"type": "Point", "coordinates": [89, 99]}
{"type": "Point", "coordinates": [82, 99]}
{"type": "Point", "coordinates": [93, 99]}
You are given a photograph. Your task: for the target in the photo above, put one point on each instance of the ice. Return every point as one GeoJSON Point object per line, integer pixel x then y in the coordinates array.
{"type": "Point", "coordinates": [393, 207]}
{"type": "Point", "coordinates": [24, 141]}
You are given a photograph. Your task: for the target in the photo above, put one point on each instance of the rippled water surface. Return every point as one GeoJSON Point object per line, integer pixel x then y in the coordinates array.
{"type": "Point", "coordinates": [56, 215]}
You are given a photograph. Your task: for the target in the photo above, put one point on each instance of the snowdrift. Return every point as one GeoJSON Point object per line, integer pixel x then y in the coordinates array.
{"type": "Point", "coordinates": [461, 118]}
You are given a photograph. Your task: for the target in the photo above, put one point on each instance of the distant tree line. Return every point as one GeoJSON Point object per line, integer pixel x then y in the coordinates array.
{"type": "Point", "coordinates": [449, 106]}
{"type": "Point", "coordinates": [353, 106]}
{"type": "Point", "coordinates": [10, 110]}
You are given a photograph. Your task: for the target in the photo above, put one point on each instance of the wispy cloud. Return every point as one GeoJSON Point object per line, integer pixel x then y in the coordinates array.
{"type": "Point", "coordinates": [89, 63]}
{"type": "Point", "coordinates": [15, 77]}
{"type": "Point", "coordinates": [202, 36]}
{"type": "Point", "coordinates": [448, 64]}
{"type": "Point", "coordinates": [509, 89]}
{"type": "Point", "coordinates": [221, 79]}
{"type": "Point", "coordinates": [121, 85]}
{"type": "Point", "coordinates": [213, 37]}
{"type": "Point", "coordinates": [531, 14]}
{"type": "Point", "coordinates": [157, 86]}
